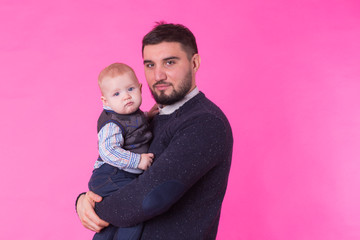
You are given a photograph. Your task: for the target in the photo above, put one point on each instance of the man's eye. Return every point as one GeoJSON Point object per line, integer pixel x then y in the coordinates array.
{"type": "Point", "coordinates": [116, 94]}
{"type": "Point", "coordinates": [149, 65]}
{"type": "Point", "coordinates": [170, 62]}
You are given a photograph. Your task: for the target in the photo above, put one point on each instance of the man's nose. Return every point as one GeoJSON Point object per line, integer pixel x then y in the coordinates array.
{"type": "Point", "coordinates": [160, 74]}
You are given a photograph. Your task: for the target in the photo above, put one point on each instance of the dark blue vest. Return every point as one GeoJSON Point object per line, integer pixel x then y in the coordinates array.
{"type": "Point", "coordinates": [134, 127]}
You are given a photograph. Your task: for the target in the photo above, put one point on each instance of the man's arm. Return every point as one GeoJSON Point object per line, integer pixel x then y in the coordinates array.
{"type": "Point", "coordinates": [193, 151]}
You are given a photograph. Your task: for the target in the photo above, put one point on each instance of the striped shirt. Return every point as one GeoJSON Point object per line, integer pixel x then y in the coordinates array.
{"type": "Point", "coordinates": [110, 142]}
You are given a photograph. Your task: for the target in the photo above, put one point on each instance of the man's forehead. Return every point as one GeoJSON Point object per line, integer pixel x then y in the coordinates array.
{"type": "Point", "coordinates": [163, 51]}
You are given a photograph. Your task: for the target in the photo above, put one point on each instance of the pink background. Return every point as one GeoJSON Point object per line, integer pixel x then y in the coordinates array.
{"type": "Point", "coordinates": [286, 73]}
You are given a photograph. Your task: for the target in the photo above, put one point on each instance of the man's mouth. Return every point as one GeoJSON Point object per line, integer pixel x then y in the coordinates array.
{"type": "Point", "coordinates": [161, 86]}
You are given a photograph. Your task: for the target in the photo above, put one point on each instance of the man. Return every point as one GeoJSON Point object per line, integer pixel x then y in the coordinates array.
{"type": "Point", "coordinates": [180, 195]}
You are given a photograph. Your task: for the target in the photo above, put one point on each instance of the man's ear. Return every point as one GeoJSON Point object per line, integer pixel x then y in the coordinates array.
{"type": "Point", "coordinates": [104, 101]}
{"type": "Point", "coordinates": [196, 60]}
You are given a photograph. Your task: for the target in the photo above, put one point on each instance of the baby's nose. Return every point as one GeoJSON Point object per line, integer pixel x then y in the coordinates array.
{"type": "Point", "coordinates": [126, 96]}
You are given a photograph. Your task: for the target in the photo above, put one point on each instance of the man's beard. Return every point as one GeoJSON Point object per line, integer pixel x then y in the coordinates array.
{"type": "Point", "coordinates": [175, 95]}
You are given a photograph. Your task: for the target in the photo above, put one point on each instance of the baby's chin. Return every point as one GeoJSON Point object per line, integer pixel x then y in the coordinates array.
{"type": "Point", "coordinates": [128, 109]}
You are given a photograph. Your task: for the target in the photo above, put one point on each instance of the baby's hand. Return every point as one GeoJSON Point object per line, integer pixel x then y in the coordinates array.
{"type": "Point", "coordinates": [153, 111]}
{"type": "Point", "coordinates": [146, 161]}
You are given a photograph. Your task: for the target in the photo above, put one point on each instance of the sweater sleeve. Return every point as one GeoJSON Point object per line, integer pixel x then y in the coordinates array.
{"type": "Point", "coordinates": [196, 147]}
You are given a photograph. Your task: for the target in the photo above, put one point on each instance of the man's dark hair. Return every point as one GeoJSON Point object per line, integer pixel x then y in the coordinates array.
{"type": "Point", "coordinates": [168, 32]}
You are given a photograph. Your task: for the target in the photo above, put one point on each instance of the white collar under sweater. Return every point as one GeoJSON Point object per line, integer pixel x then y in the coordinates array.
{"type": "Point", "coordinates": [169, 109]}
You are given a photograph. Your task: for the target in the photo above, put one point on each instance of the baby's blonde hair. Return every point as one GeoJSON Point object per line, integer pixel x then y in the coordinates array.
{"type": "Point", "coordinates": [114, 70]}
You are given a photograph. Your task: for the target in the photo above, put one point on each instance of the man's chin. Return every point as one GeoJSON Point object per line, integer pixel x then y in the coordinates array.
{"type": "Point", "coordinates": [166, 97]}
{"type": "Point", "coordinates": [168, 100]}
{"type": "Point", "coordinates": [161, 95]}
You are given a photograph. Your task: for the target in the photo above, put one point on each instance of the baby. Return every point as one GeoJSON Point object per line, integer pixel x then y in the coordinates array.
{"type": "Point", "coordinates": [123, 140]}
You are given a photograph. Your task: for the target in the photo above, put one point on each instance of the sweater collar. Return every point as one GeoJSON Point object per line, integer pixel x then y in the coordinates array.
{"type": "Point", "coordinates": [169, 109]}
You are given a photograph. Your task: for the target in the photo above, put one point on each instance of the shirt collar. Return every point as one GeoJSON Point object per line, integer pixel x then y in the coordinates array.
{"type": "Point", "coordinates": [107, 108]}
{"type": "Point", "coordinates": [169, 109]}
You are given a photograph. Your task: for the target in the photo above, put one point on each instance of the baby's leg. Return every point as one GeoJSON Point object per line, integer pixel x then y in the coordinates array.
{"type": "Point", "coordinates": [129, 233]}
{"type": "Point", "coordinates": [107, 233]}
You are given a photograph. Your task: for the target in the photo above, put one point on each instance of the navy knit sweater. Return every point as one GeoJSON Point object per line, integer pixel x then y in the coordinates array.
{"type": "Point", "coordinates": [180, 195]}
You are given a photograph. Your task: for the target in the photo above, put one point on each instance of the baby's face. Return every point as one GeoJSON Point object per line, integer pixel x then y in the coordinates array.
{"type": "Point", "coordinates": [122, 93]}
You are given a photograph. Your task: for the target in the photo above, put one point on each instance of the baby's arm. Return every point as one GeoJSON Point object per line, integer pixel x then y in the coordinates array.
{"type": "Point", "coordinates": [111, 142]}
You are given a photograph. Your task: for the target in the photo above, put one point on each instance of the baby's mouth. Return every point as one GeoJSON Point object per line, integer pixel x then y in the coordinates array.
{"type": "Point", "coordinates": [129, 104]}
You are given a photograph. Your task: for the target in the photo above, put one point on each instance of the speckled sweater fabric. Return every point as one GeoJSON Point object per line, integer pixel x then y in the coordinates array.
{"type": "Point", "coordinates": [180, 195]}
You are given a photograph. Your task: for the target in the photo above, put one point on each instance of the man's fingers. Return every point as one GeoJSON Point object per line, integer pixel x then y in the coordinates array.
{"type": "Point", "coordinates": [86, 222]}
{"type": "Point", "coordinates": [86, 212]}
{"type": "Point", "coordinates": [93, 196]}
{"type": "Point", "coordinates": [94, 223]}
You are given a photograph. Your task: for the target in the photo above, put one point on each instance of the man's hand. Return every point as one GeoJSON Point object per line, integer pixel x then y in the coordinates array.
{"type": "Point", "coordinates": [146, 161]}
{"type": "Point", "coordinates": [85, 210]}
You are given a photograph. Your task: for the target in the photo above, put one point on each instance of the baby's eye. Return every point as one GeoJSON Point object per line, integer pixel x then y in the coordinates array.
{"type": "Point", "coordinates": [116, 94]}
{"type": "Point", "coordinates": [131, 89]}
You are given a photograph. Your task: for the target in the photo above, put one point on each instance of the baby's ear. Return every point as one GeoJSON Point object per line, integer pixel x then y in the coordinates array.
{"type": "Point", "coordinates": [140, 86]}
{"type": "Point", "coordinates": [104, 101]}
